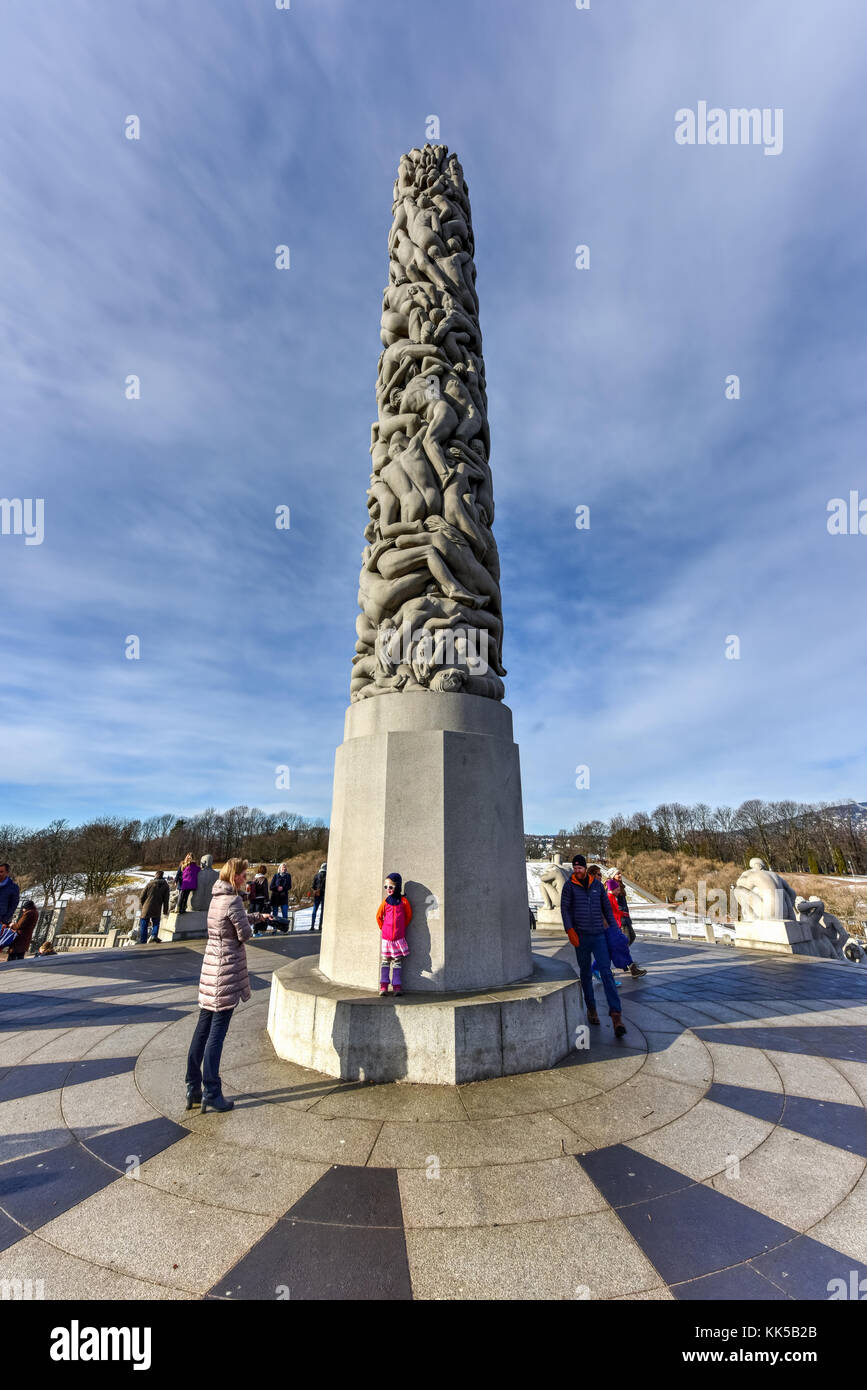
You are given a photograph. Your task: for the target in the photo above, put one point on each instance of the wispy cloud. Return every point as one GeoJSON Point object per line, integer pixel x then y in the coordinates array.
{"type": "Point", "coordinates": [155, 257]}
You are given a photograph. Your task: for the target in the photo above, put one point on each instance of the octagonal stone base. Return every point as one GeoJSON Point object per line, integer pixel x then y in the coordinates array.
{"type": "Point", "coordinates": [441, 1039]}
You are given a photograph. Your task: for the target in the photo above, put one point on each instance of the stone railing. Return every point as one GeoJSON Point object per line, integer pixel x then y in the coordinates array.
{"type": "Point", "coordinates": [87, 941]}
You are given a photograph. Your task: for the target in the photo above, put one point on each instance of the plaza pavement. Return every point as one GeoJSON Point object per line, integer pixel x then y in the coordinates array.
{"type": "Point", "coordinates": [717, 1151]}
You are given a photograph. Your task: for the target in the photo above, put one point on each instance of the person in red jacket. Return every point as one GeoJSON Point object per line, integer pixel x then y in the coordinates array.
{"type": "Point", "coordinates": [394, 915]}
{"type": "Point", "coordinates": [616, 891]}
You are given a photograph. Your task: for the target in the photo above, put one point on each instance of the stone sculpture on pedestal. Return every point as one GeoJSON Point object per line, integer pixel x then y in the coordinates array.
{"type": "Point", "coordinates": [551, 881]}
{"type": "Point", "coordinates": [427, 780]}
{"type": "Point", "coordinates": [201, 899]}
{"type": "Point", "coordinates": [773, 918]}
{"type": "Point", "coordinates": [193, 923]}
{"type": "Point", "coordinates": [763, 895]}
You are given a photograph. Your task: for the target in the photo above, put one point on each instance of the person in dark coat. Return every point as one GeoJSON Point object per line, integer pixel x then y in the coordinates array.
{"type": "Point", "coordinates": [281, 885]}
{"type": "Point", "coordinates": [25, 926]}
{"type": "Point", "coordinates": [10, 894]}
{"type": "Point", "coordinates": [154, 900]}
{"type": "Point", "coordinates": [586, 912]}
{"type": "Point", "coordinates": [319, 897]}
{"type": "Point", "coordinates": [259, 891]}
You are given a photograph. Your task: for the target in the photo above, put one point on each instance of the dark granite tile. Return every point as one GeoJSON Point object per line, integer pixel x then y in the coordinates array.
{"type": "Point", "coordinates": [831, 1121]}
{"type": "Point", "coordinates": [805, 1269]}
{"type": "Point", "coordinates": [624, 1176]}
{"type": "Point", "coordinates": [141, 1141]}
{"type": "Point", "coordinates": [835, 1041]}
{"type": "Point", "coordinates": [307, 1260]}
{"type": "Point", "coordinates": [36, 1189]}
{"type": "Point", "coordinates": [765, 1105]}
{"type": "Point", "coordinates": [698, 1231]}
{"type": "Point", "coordinates": [352, 1197]}
{"type": "Point", "coordinates": [741, 1282]}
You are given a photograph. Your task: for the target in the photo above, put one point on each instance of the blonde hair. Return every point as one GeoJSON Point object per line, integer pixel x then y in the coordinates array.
{"type": "Point", "coordinates": [231, 869]}
{"type": "Point", "coordinates": [281, 867]}
{"type": "Point", "coordinates": [185, 862]}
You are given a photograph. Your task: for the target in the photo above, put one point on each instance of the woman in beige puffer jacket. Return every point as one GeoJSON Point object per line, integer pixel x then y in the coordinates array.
{"type": "Point", "coordinates": [224, 983]}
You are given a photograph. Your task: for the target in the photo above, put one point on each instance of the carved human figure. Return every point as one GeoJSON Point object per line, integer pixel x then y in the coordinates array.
{"type": "Point", "coordinates": [764, 895]}
{"type": "Point", "coordinates": [830, 931]}
{"type": "Point", "coordinates": [431, 554]}
{"type": "Point", "coordinates": [551, 881]}
{"type": "Point", "coordinates": [208, 876]}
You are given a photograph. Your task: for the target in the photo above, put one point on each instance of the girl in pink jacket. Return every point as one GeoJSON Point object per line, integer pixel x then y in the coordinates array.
{"type": "Point", "coordinates": [394, 915]}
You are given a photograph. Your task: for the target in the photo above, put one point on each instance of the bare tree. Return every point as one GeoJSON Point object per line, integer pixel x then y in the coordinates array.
{"type": "Point", "coordinates": [102, 850]}
{"type": "Point", "coordinates": [48, 855]}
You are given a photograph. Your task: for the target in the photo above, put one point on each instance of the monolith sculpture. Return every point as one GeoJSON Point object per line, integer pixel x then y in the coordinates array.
{"type": "Point", "coordinates": [427, 780]}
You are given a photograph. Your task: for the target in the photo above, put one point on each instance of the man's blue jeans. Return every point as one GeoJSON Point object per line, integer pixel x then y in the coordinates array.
{"type": "Point", "coordinates": [318, 903]}
{"type": "Point", "coordinates": [143, 929]}
{"type": "Point", "coordinates": [206, 1050]}
{"type": "Point", "coordinates": [596, 947]}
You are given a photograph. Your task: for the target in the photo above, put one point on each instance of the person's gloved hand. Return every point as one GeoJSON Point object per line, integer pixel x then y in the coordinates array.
{"type": "Point", "coordinates": [573, 936]}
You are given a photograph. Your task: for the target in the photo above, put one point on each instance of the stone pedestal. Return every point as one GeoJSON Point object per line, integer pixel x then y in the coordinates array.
{"type": "Point", "coordinates": [429, 785]}
{"type": "Point", "coordinates": [549, 919]}
{"type": "Point", "coordinates": [786, 936]}
{"type": "Point", "coordinates": [441, 1039]}
{"type": "Point", "coordinates": [183, 926]}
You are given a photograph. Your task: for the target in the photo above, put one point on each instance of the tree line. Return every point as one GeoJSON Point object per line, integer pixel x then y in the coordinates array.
{"type": "Point", "coordinates": [791, 836]}
{"type": "Point", "coordinates": [61, 858]}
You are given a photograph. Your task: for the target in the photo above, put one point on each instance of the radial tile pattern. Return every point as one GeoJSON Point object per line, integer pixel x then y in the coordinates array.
{"type": "Point", "coordinates": [717, 1151]}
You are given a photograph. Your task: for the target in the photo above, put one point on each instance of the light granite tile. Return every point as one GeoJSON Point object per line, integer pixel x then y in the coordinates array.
{"type": "Point", "coordinates": [501, 1195]}
{"type": "Point", "coordinates": [812, 1077]}
{"type": "Point", "coordinates": [59, 1276]}
{"type": "Point", "coordinates": [576, 1259]}
{"type": "Point", "coordinates": [32, 1125]}
{"type": "Point", "coordinates": [227, 1175]}
{"type": "Point", "coordinates": [138, 1231]}
{"type": "Point", "coordinates": [477, 1143]}
{"type": "Point", "coordinates": [638, 1107]}
{"type": "Point", "coordinates": [704, 1140]}
{"type": "Point", "coordinates": [793, 1179]}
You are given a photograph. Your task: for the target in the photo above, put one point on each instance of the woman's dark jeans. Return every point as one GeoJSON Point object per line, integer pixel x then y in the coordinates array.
{"type": "Point", "coordinates": [206, 1049]}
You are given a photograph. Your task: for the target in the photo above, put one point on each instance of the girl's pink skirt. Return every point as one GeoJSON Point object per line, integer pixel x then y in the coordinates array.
{"type": "Point", "coordinates": [392, 950]}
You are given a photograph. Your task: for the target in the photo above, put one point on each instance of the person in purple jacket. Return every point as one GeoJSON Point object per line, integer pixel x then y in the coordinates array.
{"type": "Point", "coordinates": [190, 871]}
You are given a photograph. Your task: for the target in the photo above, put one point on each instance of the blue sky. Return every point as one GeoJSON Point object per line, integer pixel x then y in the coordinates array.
{"type": "Point", "coordinates": [606, 387]}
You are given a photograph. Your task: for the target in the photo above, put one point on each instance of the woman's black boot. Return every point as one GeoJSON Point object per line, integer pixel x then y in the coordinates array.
{"type": "Point", "coordinates": [217, 1101]}
{"type": "Point", "coordinates": [194, 1095]}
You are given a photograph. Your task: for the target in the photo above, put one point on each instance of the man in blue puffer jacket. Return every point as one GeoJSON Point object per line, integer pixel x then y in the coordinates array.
{"type": "Point", "coordinates": [586, 912]}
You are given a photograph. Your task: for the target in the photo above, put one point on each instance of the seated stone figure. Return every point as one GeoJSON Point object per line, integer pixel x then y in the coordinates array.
{"type": "Point", "coordinates": [208, 876]}
{"type": "Point", "coordinates": [764, 896]}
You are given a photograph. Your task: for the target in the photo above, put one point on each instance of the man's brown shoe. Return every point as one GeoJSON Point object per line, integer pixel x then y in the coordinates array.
{"type": "Point", "coordinates": [617, 1020]}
